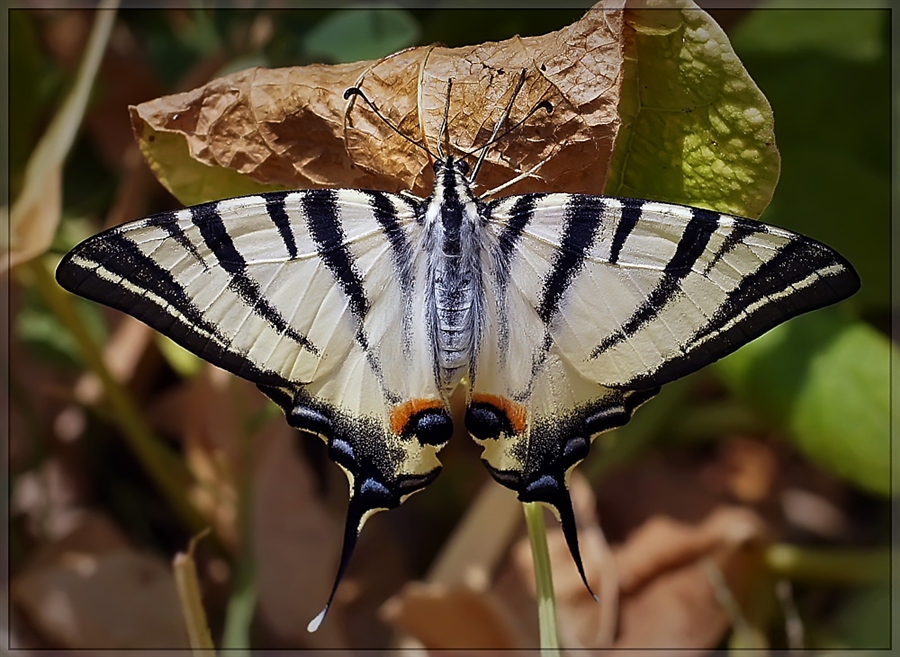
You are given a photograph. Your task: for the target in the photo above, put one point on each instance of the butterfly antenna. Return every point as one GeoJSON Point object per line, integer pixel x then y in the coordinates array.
{"type": "Point", "coordinates": [498, 125]}
{"type": "Point", "coordinates": [356, 91]}
{"type": "Point", "coordinates": [495, 137]}
{"type": "Point", "coordinates": [443, 130]}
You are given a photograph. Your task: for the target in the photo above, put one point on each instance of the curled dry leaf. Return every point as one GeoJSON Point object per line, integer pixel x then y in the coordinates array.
{"type": "Point", "coordinates": [656, 589]}
{"type": "Point", "coordinates": [649, 100]}
{"type": "Point", "coordinates": [292, 127]}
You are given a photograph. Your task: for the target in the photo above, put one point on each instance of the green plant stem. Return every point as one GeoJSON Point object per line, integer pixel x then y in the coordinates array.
{"type": "Point", "coordinates": [543, 577]}
{"type": "Point", "coordinates": [164, 468]}
{"type": "Point", "coordinates": [241, 605]}
{"type": "Point", "coordinates": [839, 566]}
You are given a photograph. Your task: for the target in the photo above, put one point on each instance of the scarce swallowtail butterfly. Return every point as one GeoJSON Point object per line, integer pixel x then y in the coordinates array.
{"type": "Point", "coordinates": [360, 311]}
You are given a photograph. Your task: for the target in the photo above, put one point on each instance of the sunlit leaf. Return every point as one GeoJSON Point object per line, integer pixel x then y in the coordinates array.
{"type": "Point", "coordinates": [696, 128]}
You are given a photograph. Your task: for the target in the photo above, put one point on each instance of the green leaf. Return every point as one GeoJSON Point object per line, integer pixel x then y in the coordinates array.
{"type": "Point", "coordinates": [696, 129]}
{"type": "Point", "coordinates": [189, 180]}
{"type": "Point", "coordinates": [357, 34]}
{"type": "Point", "coordinates": [826, 381]}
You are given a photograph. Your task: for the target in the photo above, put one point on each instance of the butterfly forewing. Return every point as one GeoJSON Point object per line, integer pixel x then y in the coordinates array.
{"type": "Point", "coordinates": [652, 291]}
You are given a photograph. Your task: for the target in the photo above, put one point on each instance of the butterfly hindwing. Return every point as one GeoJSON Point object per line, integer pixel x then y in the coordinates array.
{"type": "Point", "coordinates": [596, 302]}
{"type": "Point", "coordinates": [312, 296]}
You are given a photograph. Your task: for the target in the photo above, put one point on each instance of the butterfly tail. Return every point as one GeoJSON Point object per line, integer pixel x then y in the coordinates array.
{"type": "Point", "coordinates": [553, 493]}
{"type": "Point", "coordinates": [367, 499]}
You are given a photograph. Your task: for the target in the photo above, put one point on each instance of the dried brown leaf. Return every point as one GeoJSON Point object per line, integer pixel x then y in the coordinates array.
{"type": "Point", "coordinates": [453, 618]}
{"type": "Point", "coordinates": [90, 590]}
{"type": "Point", "coordinates": [668, 600]}
{"type": "Point", "coordinates": [292, 127]}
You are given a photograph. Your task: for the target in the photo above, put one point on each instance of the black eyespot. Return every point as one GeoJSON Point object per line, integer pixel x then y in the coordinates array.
{"type": "Point", "coordinates": [431, 426]}
{"type": "Point", "coordinates": [485, 421]}
{"type": "Point", "coordinates": [462, 166]}
{"type": "Point", "coordinates": [437, 166]}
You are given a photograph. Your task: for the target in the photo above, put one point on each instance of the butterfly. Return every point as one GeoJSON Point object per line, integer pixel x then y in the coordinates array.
{"type": "Point", "coordinates": [359, 312]}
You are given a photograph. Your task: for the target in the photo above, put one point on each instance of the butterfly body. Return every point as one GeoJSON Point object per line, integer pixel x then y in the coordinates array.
{"type": "Point", "coordinates": [359, 312]}
{"type": "Point", "coordinates": [454, 296]}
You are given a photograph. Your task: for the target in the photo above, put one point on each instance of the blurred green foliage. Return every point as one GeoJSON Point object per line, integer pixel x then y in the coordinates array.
{"type": "Point", "coordinates": [825, 378]}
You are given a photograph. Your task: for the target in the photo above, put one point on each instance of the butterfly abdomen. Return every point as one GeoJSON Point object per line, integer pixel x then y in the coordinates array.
{"type": "Point", "coordinates": [452, 221]}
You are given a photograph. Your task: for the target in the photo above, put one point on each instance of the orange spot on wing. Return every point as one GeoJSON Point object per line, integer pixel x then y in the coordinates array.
{"type": "Point", "coordinates": [400, 414]}
{"type": "Point", "coordinates": [516, 413]}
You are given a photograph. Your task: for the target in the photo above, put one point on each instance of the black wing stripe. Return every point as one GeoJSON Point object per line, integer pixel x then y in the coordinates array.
{"type": "Point", "coordinates": [401, 249]}
{"type": "Point", "coordinates": [583, 216]}
{"type": "Point", "coordinates": [168, 221]}
{"type": "Point", "coordinates": [215, 235]}
{"type": "Point", "coordinates": [279, 216]}
{"type": "Point", "coordinates": [742, 229]}
{"type": "Point", "coordinates": [631, 213]}
{"type": "Point", "coordinates": [690, 247]}
{"type": "Point", "coordinates": [401, 254]}
{"type": "Point", "coordinates": [164, 306]}
{"type": "Point", "coordinates": [796, 263]}
{"type": "Point", "coordinates": [321, 208]}
{"type": "Point", "coordinates": [520, 215]}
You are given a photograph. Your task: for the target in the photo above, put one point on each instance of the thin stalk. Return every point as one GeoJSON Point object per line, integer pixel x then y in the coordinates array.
{"type": "Point", "coordinates": [543, 577]}
{"type": "Point", "coordinates": [188, 585]}
{"type": "Point", "coordinates": [242, 603]}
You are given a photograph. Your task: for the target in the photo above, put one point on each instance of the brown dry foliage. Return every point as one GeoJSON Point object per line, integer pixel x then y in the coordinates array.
{"type": "Point", "coordinates": [293, 127]}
